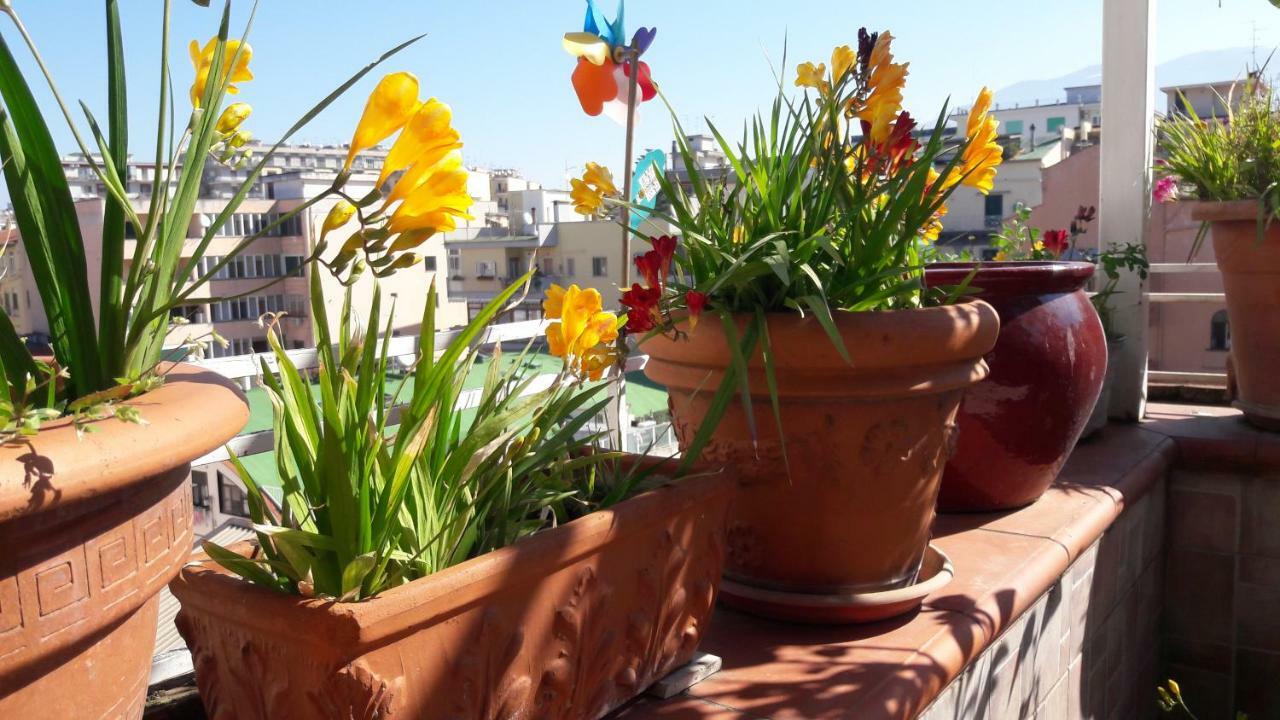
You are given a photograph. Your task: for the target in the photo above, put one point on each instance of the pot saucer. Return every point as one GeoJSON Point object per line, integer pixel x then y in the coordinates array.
{"type": "Point", "coordinates": [847, 608]}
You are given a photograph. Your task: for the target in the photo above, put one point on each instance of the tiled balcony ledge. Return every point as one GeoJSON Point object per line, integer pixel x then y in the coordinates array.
{"type": "Point", "coordinates": [1054, 611]}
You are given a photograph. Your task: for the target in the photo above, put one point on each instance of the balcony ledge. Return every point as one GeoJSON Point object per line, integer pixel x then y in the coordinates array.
{"type": "Point", "coordinates": [1008, 568]}
{"type": "Point", "coordinates": [1047, 601]}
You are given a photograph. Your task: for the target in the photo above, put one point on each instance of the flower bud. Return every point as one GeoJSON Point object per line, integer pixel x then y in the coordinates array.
{"type": "Point", "coordinates": [233, 116]}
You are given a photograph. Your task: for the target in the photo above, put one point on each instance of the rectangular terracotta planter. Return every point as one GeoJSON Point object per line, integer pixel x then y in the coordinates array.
{"type": "Point", "coordinates": [568, 623]}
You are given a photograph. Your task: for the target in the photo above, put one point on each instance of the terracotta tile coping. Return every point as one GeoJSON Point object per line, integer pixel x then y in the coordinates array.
{"type": "Point", "coordinates": [1004, 562]}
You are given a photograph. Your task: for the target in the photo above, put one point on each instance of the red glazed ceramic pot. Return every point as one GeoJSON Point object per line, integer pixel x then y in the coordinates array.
{"type": "Point", "coordinates": [1047, 368]}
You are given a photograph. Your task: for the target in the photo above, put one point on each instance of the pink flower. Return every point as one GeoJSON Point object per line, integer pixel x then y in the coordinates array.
{"type": "Point", "coordinates": [1166, 189]}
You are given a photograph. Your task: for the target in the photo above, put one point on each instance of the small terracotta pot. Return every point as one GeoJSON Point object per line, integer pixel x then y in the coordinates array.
{"type": "Point", "coordinates": [1251, 280]}
{"type": "Point", "coordinates": [566, 624]}
{"type": "Point", "coordinates": [1018, 427]}
{"type": "Point", "coordinates": [91, 529]}
{"type": "Point", "coordinates": [850, 508]}
{"type": "Point", "coordinates": [1099, 417]}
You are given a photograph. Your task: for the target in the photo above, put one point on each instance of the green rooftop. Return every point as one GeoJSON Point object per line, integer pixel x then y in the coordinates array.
{"type": "Point", "coordinates": [644, 398]}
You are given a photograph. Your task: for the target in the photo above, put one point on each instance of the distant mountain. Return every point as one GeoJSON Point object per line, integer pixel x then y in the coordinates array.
{"type": "Point", "coordinates": [1207, 66]}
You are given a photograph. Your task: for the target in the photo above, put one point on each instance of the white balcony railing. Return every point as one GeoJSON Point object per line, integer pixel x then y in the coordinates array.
{"type": "Point", "coordinates": [1177, 377]}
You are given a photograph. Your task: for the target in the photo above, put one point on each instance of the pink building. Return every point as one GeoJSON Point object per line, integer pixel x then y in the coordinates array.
{"type": "Point", "coordinates": [1186, 336]}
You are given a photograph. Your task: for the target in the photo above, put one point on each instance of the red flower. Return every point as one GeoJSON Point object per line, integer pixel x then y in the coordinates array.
{"type": "Point", "coordinates": [665, 246]}
{"type": "Point", "coordinates": [1055, 241]}
{"type": "Point", "coordinates": [642, 305]}
{"type": "Point", "coordinates": [896, 149]}
{"type": "Point", "coordinates": [696, 302]}
{"type": "Point", "coordinates": [649, 265]}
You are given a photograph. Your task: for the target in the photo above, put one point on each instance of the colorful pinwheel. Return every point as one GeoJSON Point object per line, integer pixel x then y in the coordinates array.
{"type": "Point", "coordinates": [602, 78]}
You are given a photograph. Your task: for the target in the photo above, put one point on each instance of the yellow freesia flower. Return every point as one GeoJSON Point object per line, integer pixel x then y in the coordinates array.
{"type": "Point", "coordinates": [583, 332]}
{"type": "Point", "coordinates": [391, 104]}
{"type": "Point", "coordinates": [427, 137]}
{"type": "Point", "coordinates": [932, 229]}
{"type": "Point", "coordinates": [842, 60]}
{"type": "Point", "coordinates": [553, 302]}
{"type": "Point", "coordinates": [437, 200]}
{"type": "Point", "coordinates": [233, 117]}
{"type": "Point", "coordinates": [887, 79]}
{"type": "Point", "coordinates": [1002, 256]}
{"type": "Point", "coordinates": [589, 191]}
{"type": "Point", "coordinates": [983, 154]}
{"type": "Point", "coordinates": [599, 176]}
{"type": "Point", "coordinates": [1038, 245]}
{"type": "Point", "coordinates": [810, 75]}
{"type": "Point", "coordinates": [202, 60]}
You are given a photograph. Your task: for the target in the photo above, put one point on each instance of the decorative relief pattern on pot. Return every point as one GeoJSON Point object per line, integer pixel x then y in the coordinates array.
{"type": "Point", "coordinates": [355, 693]}
{"type": "Point", "coordinates": [579, 682]}
{"type": "Point", "coordinates": [744, 546]}
{"type": "Point", "coordinates": [90, 585]}
{"type": "Point", "coordinates": [486, 682]}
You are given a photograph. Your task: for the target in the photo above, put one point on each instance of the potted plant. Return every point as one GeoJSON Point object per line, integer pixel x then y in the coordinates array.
{"type": "Point", "coordinates": [434, 562]}
{"type": "Point", "coordinates": [95, 510]}
{"type": "Point", "coordinates": [1047, 368]}
{"type": "Point", "coordinates": [798, 343]}
{"type": "Point", "coordinates": [1130, 257]}
{"type": "Point", "coordinates": [1229, 167]}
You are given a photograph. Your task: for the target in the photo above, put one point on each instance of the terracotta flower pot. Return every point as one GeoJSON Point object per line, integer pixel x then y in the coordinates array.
{"type": "Point", "coordinates": [91, 529]}
{"type": "Point", "coordinates": [566, 624]}
{"type": "Point", "coordinates": [1018, 427]}
{"type": "Point", "coordinates": [1101, 409]}
{"type": "Point", "coordinates": [865, 442]}
{"type": "Point", "coordinates": [1251, 280]}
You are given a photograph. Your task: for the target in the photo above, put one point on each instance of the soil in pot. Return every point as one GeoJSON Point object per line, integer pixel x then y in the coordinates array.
{"type": "Point", "coordinates": [849, 508]}
{"type": "Point", "coordinates": [92, 528]}
{"type": "Point", "coordinates": [1251, 280]}
{"type": "Point", "coordinates": [1018, 427]}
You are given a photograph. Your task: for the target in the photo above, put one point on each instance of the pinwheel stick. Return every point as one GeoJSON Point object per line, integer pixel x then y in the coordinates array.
{"type": "Point", "coordinates": [629, 55]}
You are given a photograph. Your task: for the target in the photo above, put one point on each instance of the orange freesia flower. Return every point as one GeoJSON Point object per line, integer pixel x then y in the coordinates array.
{"type": "Point", "coordinates": [886, 81]}
{"type": "Point", "coordinates": [202, 60]}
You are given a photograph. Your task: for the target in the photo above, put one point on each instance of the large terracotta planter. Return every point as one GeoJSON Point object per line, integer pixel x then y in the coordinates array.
{"type": "Point", "coordinates": [865, 442]}
{"type": "Point", "coordinates": [91, 529]}
{"type": "Point", "coordinates": [1251, 280]}
{"type": "Point", "coordinates": [566, 624]}
{"type": "Point", "coordinates": [1018, 427]}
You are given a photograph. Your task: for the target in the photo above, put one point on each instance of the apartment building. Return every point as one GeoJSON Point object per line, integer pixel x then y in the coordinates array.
{"type": "Point", "coordinates": [270, 276]}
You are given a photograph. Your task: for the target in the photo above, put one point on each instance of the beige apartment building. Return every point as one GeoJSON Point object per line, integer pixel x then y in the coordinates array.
{"type": "Point", "coordinates": [269, 276]}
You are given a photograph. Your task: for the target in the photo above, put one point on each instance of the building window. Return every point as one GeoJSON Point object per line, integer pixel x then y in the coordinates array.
{"type": "Point", "coordinates": [1219, 331]}
{"type": "Point", "coordinates": [568, 267]}
{"type": "Point", "coordinates": [200, 490]}
{"type": "Point", "coordinates": [599, 267]}
{"type": "Point", "coordinates": [455, 261]}
{"type": "Point", "coordinates": [1055, 124]}
{"type": "Point", "coordinates": [993, 210]}
{"type": "Point", "coordinates": [231, 499]}
{"type": "Point", "coordinates": [485, 269]}
{"type": "Point", "coordinates": [1013, 127]}
{"type": "Point", "coordinates": [429, 263]}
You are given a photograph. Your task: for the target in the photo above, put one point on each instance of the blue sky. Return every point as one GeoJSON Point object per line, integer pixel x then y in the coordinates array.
{"type": "Point", "coordinates": [500, 65]}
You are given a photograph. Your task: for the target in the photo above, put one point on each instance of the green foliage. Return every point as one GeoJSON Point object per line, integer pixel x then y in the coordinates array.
{"type": "Point", "coordinates": [1017, 239]}
{"type": "Point", "coordinates": [1231, 158]}
{"type": "Point", "coordinates": [372, 500]}
{"type": "Point", "coordinates": [102, 360]}
{"type": "Point", "coordinates": [1130, 257]}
